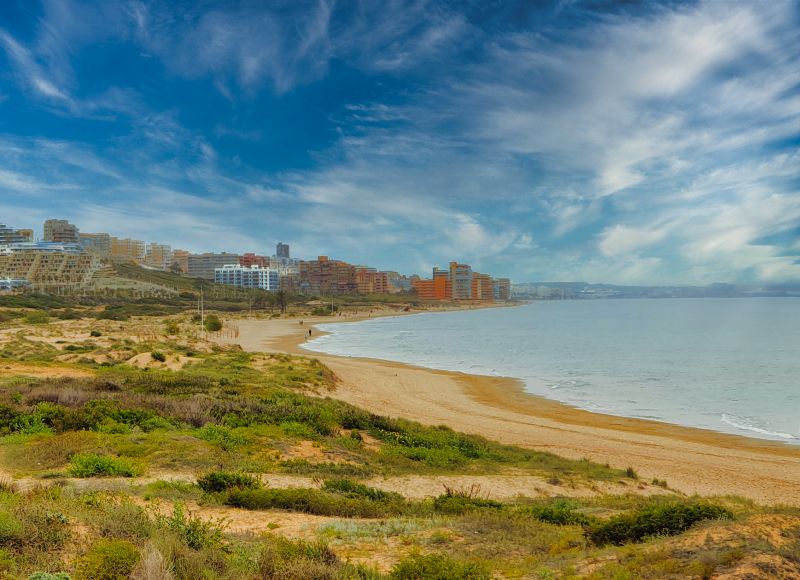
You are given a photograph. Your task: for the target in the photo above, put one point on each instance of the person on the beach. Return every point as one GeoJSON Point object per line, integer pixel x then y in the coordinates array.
{"type": "Point", "coordinates": [309, 332]}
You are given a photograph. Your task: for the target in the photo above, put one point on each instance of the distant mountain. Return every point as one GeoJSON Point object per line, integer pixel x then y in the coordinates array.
{"type": "Point", "coordinates": [584, 290]}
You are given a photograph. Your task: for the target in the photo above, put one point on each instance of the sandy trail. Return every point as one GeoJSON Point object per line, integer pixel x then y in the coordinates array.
{"type": "Point", "coordinates": [691, 460]}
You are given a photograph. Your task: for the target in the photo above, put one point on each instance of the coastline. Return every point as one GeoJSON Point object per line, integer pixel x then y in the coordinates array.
{"type": "Point", "coordinates": [691, 460]}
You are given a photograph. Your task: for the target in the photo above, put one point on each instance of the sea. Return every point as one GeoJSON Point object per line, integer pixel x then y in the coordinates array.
{"type": "Point", "coordinates": [726, 364]}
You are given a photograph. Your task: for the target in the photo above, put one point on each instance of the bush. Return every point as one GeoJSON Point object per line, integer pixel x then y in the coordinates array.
{"type": "Point", "coordinates": [171, 328]}
{"type": "Point", "coordinates": [108, 560]}
{"type": "Point", "coordinates": [658, 520]}
{"type": "Point", "coordinates": [439, 566]}
{"type": "Point", "coordinates": [158, 356]}
{"type": "Point", "coordinates": [313, 501]}
{"type": "Point", "coordinates": [95, 333]}
{"type": "Point", "coordinates": [37, 317]}
{"type": "Point", "coordinates": [219, 481]}
{"type": "Point", "coordinates": [193, 531]}
{"type": "Point", "coordinates": [213, 323]}
{"type": "Point", "coordinates": [95, 465]}
{"type": "Point", "coordinates": [49, 576]}
{"type": "Point", "coordinates": [560, 512]}
{"type": "Point", "coordinates": [455, 501]}
{"type": "Point", "coordinates": [283, 559]}
{"type": "Point", "coordinates": [349, 488]}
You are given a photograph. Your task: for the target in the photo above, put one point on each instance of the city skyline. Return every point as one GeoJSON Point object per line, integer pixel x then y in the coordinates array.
{"type": "Point", "coordinates": [625, 143]}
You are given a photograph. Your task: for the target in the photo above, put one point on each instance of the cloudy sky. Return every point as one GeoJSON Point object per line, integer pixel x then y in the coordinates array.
{"type": "Point", "coordinates": [627, 142]}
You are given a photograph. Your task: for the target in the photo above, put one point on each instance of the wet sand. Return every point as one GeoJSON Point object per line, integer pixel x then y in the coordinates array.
{"type": "Point", "coordinates": [691, 460]}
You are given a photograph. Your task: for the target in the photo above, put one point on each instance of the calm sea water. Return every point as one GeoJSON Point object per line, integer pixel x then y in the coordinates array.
{"type": "Point", "coordinates": [730, 365]}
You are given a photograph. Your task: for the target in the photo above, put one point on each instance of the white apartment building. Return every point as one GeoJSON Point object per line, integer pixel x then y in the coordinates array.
{"type": "Point", "coordinates": [248, 277]}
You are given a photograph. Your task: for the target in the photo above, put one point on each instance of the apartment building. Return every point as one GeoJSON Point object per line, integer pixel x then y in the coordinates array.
{"type": "Point", "coordinates": [438, 287]}
{"type": "Point", "coordinates": [482, 287]}
{"type": "Point", "coordinates": [325, 276]}
{"type": "Point", "coordinates": [9, 235]}
{"type": "Point", "coordinates": [251, 259]}
{"type": "Point", "coordinates": [248, 277]}
{"type": "Point", "coordinates": [158, 256]}
{"type": "Point", "coordinates": [370, 281]}
{"type": "Point", "coordinates": [48, 265]}
{"type": "Point", "coordinates": [97, 244]}
{"type": "Point", "coordinates": [128, 250]}
{"type": "Point", "coordinates": [461, 281]}
{"type": "Point", "coordinates": [204, 265]}
{"type": "Point", "coordinates": [180, 259]}
{"type": "Point", "coordinates": [282, 250]}
{"type": "Point", "coordinates": [502, 289]}
{"type": "Point", "coordinates": [60, 231]}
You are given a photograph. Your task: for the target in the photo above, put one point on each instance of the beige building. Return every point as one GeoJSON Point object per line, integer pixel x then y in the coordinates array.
{"type": "Point", "coordinates": [49, 267]}
{"type": "Point", "coordinates": [97, 244]}
{"type": "Point", "coordinates": [158, 256]}
{"type": "Point", "coordinates": [128, 250]}
{"type": "Point", "coordinates": [181, 259]}
{"type": "Point", "coordinates": [60, 231]}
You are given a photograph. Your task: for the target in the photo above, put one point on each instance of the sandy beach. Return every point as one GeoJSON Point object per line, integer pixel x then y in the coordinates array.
{"type": "Point", "coordinates": [691, 460]}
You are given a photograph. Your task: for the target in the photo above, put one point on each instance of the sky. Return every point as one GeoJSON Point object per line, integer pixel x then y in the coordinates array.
{"type": "Point", "coordinates": [622, 142]}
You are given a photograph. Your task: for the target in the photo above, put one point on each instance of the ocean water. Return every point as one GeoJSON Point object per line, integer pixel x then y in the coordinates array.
{"type": "Point", "coordinates": [730, 365]}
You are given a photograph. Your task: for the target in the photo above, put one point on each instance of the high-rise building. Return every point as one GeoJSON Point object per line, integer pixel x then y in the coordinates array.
{"type": "Point", "coordinates": [325, 276]}
{"type": "Point", "coordinates": [251, 259]}
{"type": "Point", "coordinates": [282, 250]}
{"type": "Point", "coordinates": [97, 244]}
{"type": "Point", "coordinates": [180, 261]}
{"type": "Point", "coordinates": [437, 288]}
{"type": "Point", "coordinates": [11, 236]}
{"type": "Point", "coordinates": [482, 287]}
{"type": "Point", "coordinates": [370, 281]}
{"type": "Point", "coordinates": [502, 289]}
{"type": "Point", "coordinates": [248, 277]}
{"type": "Point", "coordinates": [128, 250]}
{"type": "Point", "coordinates": [204, 265]}
{"type": "Point", "coordinates": [60, 231]}
{"type": "Point", "coordinates": [158, 256]}
{"type": "Point", "coordinates": [461, 281]}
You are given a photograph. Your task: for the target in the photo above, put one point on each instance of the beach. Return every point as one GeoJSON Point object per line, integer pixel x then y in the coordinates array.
{"type": "Point", "coordinates": [692, 461]}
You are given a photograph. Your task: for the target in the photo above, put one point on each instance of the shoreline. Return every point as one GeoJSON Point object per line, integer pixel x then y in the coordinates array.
{"type": "Point", "coordinates": [692, 460]}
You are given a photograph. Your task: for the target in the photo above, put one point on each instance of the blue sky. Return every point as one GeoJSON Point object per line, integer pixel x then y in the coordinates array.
{"type": "Point", "coordinates": [627, 142]}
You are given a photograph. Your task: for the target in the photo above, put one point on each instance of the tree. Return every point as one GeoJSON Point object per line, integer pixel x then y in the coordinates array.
{"type": "Point", "coordinates": [281, 299]}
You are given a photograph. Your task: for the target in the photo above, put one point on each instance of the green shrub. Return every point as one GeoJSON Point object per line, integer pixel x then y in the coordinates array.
{"type": "Point", "coordinates": [283, 559]}
{"type": "Point", "coordinates": [219, 481]}
{"type": "Point", "coordinates": [158, 356]}
{"type": "Point", "coordinates": [350, 488]}
{"type": "Point", "coordinates": [171, 327]}
{"type": "Point", "coordinates": [213, 323]}
{"type": "Point", "coordinates": [37, 317]}
{"type": "Point", "coordinates": [455, 501]}
{"type": "Point", "coordinates": [222, 436]}
{"type": "Point", "coordinates": [49, 576]}
{"type": "Point", "coordinates": [95, 333]}
{"type": "Point", "coordinates": [11, 530]}
{"type": "Point", "coordinates": [96, 465]}
{"type": "Point", "coordinates": [108, 560]}
{"type": "Point", "coordinates": [657, 520]}
{"type": "Point", "coordinates": [193, 531]}
{"type": "Point", "coordinates": [438, 566]}
{"type": "Point", "coordinates": [560, 512]}
{"type": "Point", "coordinates": [313, 501]}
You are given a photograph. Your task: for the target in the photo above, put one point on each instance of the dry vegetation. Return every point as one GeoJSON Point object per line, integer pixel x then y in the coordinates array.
{"type": "Point", "coordinates": [131, 448]}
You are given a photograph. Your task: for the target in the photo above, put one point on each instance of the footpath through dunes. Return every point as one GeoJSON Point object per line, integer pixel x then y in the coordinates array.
{"type": "Point", "coordinates": [691, 460]}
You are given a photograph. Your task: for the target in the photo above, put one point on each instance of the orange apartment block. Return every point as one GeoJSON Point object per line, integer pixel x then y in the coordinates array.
{"type": "Point", "coordinates": [250, 259]}
{"type": "Point", "coordinates": [482, 287]}
{"type": "Point", "coordinates": [370, 281]}
{"type": "Point", "coordinates": [437, 288]}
